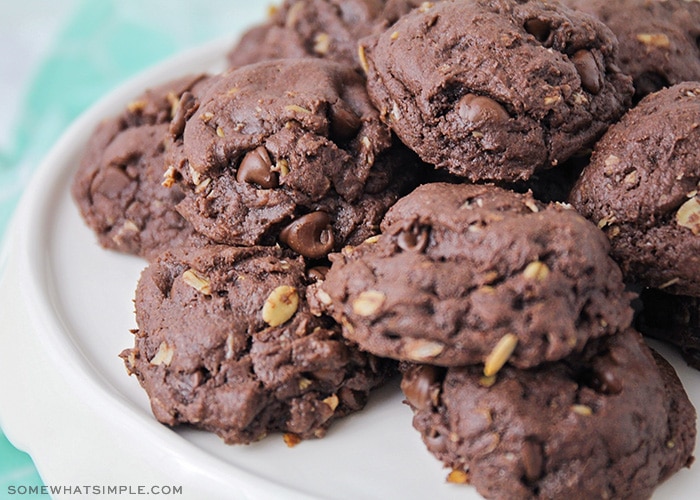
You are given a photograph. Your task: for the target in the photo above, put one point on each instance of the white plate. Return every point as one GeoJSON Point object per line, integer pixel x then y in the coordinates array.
{"type": "Point", "coordinates": [66, 314]}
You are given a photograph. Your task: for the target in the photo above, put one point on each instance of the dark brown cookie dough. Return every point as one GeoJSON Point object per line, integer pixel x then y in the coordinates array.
{"type": "Point", "coordinates": [496, 89]}
{"type": "Point", "coordinates": [658, 39]}
{"type": "Point", "coordinates": [611, 422]}
{"type": "Point", "coordinates": [672, 318]}
{"type": "Point", "coordinates": [463, 271]}
{"type": "Point", "coordinates": [328, 29]}
{"type": "Point", "coordinates": [641, 188]}
{"type": "Point", "coordinates": [226, 343]}
{"type": "Point", "coordinates": [290, 151]}
{"type": "Point", "coordinates": [119, 184]}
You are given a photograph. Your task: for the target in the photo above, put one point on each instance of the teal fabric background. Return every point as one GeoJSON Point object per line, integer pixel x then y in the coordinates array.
{"type": "Point", "coordinates": [91, 47]}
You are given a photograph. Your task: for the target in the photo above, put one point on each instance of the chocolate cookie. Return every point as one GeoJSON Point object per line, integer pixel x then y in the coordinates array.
{"type": "Point", "coordinates": [119, 184]}
{"type": "Point", "coordinates": [496, 89]}
{"type": "Point", "coordinates": [290, 151]}
{"type": "Point", "coordinates": [226, 343]}
{"type": "Point", "coordinates": [328, 29]}
{"type": "Point", "coordinates": [658, 39]}
{"type": "Point", "coordinates": [674, 319]}
{"type": "Point", "coordinates": [641, 187]}
{"type": "Point", "coordinates": [466, 274]}
{"type": "Point", "coordinates": [610, 422]}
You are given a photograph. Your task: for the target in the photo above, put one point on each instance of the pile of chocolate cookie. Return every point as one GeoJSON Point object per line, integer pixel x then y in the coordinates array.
{"type": "Point", "coordinates": [489, 197]}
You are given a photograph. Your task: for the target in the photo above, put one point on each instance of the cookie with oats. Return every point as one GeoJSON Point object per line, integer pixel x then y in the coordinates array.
{"type": "Point", "coordinates": [465, 274]}
{"type": "Point", "coordinates": [226, 343]}
{"type": "Point", "coordinates": [641, 187]}
{"type": "Point", "coordinates": [610, 422]}
{"type": "Point", "coordinates": [327, 29]}
{"type": "Point", "coordinates": [659, 42]}
{"type": "Point", "coordinates": [496, 89]}
{"type": "Point", "coordinates": [118, 186]}
{"type": "Point", "coordinates": [287, 151]}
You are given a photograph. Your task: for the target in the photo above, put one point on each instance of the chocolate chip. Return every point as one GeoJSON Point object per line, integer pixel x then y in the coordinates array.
{"type": "Point", "coordinates": [256, 168]}
{"type": "Point", "coordinates": [605, 380]}
{"type": "Point", "coordinates": [414, 238]}
{"type": "Point", "coordinates": [531, 454]}
{"type": "Point", "coordinates": [317, 273]}
{"type": "Point", "coordinates": [610, 383]}
{"type": "Point", "coordinates": [197, 379]}
{"type": "Point", "coordinates": [480, 109]}
{"type": "Point", "coordinates": [420, 385]}
{"type": "Point", "coordinates": [587, 68]}
{"type": "Point", "coordinates": [111, 182]}
{"type": "Point", "coordinates": [538, 28]}
{"type": "Point", "coordinates": [310, 235]}
{"type": "Point", "coordinates": [344, 122]}
{"type": "Point", "coordinates": [163, 277]}
{"type": "Point", "coordinates": [602, 376]}
{"type": "Point", "coordinates": [186, 107]}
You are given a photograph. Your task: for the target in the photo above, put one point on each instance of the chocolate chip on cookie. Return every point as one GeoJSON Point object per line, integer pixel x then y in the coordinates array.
{"type": "Point", "coordinates": [465, 274]}
{"type": "Point", "coordinates": [288, 151]}
{"type": "Point", "coordinates": [610, 422]}
{"type": "Point", "coordinates": [658, 40]}
{"type": "Point", "coordinates": [496, 89]}
{"type": "Point", "coordinates": [122, 187]}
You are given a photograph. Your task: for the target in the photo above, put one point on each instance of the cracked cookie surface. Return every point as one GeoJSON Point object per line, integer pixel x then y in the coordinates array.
{"type": "Point", "coordinates": [460, 268]}
{"type": "Point", "coordinates": [288, 151]}
{"type": "Point", "coordinates": [641, 187]}
{"type": "Point", "coordinates": [119, 186]}
{"type": "Point", "coordinates": [658, 39]}
{"type": "Point", "coordinates": [611, 422]}
{"type": "Point", "coordinates": [496, 89]}
{"type": "Point", "coordinates": [327, 29]}
{"type": "Point", "coordinates": [225, 342]}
